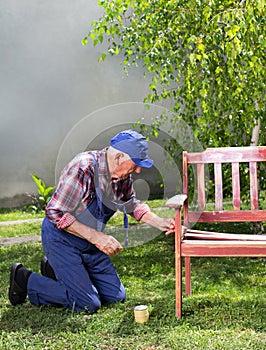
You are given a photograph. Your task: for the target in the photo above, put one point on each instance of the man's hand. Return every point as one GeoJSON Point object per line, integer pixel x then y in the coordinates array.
{"type": "Point", "coordinates": [166, 225]}
{"type": "Point", "coordinates": [107, 244]}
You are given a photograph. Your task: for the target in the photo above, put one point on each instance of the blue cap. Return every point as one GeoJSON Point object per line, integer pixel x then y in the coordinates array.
{"type": "Point", "coordinates": [133, 144]}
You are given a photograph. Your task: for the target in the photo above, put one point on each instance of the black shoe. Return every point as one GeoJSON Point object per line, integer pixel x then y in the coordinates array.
{"type": "Point", "coordinates": [46, 269]}
{"type": "Point", "coordinates": [17, 295]}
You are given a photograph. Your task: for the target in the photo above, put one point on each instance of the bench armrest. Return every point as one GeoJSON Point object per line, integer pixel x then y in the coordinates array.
{"type": "Point", "coordinates": [176, 201]}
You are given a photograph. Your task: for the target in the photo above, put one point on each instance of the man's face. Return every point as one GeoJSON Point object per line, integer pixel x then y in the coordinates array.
{"type": "Point", "coordinates": [124, 168]}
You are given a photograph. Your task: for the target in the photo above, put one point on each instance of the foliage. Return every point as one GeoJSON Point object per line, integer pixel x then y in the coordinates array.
{"type": "Point", "coordinates": [206, 57]}
{"type": "Point", "coordinates": [44, 193]}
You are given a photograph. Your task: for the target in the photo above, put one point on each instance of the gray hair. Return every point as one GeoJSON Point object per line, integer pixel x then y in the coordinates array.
{"type": "Point", "coordinates": [113, 151]}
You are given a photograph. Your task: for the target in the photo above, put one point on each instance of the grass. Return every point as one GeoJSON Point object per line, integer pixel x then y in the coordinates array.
{"type": "Point", "coordinates": [32, 228]}
{"type": "Point", "coordinates": [226, 311]}
{"type": "Point", "coordinates": [10, 215]}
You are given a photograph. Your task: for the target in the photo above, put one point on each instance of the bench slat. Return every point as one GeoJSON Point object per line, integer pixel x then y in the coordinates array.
{"type": "Point", "coordinates": [236, 186]}
{"type": "Point", "coordinates": [218, 186]}
{"type": "Point", "coordinates": [222, 236]}
{"type": "Point", "coordinates": [223, 248]}
{"type": "Point", "coordinates": [254, 200]}
{"type": "Point", "coordinates": [201, 186]}
{"type": "Point", "coordinates": [228, 155]}
{"type": "Point", "coordinates": [227, 216]}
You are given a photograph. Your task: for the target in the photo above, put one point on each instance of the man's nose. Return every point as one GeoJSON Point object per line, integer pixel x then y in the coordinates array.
{"type": "Point", "coordinates": [138, 169]}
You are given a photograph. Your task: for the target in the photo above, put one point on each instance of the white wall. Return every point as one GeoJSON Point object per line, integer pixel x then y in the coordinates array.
{"type": "Point", "coordinates": [49, 82]}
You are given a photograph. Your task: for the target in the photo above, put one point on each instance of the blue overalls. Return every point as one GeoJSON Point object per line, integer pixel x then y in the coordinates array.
{"type": "Point", "coordinates": [86, 277]}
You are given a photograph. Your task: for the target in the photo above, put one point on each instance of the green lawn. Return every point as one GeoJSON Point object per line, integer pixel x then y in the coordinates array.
{"type": "Point", "coordinates": [9, 215]}
{"type": "Point", "coordinates": [226, 311]}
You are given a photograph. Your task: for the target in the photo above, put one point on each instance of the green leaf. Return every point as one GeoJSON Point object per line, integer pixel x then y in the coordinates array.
{"type": "Point", "coordinates": [102, 57]}
{"type": "Point", "coordinates": [84, 41]}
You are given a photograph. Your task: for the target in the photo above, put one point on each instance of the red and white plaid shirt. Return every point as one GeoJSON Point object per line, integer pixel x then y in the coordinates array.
{"type": "Point", "coordinates": [76, 189]}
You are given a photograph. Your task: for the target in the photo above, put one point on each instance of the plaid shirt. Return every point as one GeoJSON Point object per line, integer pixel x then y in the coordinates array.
{"type": "Point", "coordinates": [76, 188]}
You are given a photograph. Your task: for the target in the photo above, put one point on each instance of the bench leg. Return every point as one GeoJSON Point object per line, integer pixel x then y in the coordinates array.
{"type": "Point", "coordinates": [178, 264]}
{"type": "Point", "coordinates": [188, 275]}
{"type": "Point", "coordinates": [178, 296]}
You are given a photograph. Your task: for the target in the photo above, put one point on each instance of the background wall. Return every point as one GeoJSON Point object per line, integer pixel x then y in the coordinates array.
{"type": "Point", "coordinates": [49, 82]}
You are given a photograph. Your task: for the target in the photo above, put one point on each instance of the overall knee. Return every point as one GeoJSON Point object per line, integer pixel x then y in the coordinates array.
{"type": "Point", "coordinates": [122, 295]}
{"type": "Point", "coordinates": [91, 305]}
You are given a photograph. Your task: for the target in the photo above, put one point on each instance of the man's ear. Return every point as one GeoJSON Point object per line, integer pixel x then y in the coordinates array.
{"type": "Point", "coordinates": [118, 156]}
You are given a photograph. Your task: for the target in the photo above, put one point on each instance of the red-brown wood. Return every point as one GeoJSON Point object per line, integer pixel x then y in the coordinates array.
{"type": "Point", "coordinates": [201, 186]}
{"type": "Point", "coordinates": [196, 234]}
{"type": "Point", "coordinates": [178, 262]}
{"type": "Point", "coordinates": [254, 201]}
{"type": "Point", "coordinates": [236, 186]}
{"type": "Point", "coordinates": [223, 248]}
{"type": "Point", "coordinates": [187, 274]}
{"type": "Point", "coordinates": [185, 186]}
{"type": "Point", "coordinates": [227, 216]}
{"type": "Point", "coordinates": [214, 244]}
{"type": "Point", "coordinates": [218, 186]}
{"type": "Point", "coordinates": [228, 155]}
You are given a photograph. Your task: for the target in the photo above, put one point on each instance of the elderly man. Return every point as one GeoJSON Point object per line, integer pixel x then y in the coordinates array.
{"type": "Point", "coordinates": [78, 272]}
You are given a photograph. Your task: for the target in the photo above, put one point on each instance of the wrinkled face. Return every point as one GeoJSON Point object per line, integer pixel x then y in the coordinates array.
{"type": "Point", "coordinates": [124, 168]}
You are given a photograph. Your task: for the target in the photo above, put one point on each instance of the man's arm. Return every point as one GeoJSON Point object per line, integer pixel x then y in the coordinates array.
{"type": "Point", "coordinates": [107, 244]}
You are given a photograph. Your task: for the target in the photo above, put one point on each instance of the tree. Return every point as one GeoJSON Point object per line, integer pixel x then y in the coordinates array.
{"type": "Point", "coordinates": [207, 57]}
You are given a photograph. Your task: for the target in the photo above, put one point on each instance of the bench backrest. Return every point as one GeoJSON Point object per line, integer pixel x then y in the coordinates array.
{"type": "Point", "coordinates": [238, 159]}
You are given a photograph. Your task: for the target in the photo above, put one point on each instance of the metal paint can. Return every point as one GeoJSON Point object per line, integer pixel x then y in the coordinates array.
{"type": "Point", "coordinates": [141, 313]}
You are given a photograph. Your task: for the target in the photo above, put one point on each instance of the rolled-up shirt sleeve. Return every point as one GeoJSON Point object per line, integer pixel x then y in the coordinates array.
{"type": "Point", "coordinates": [140, 210]}
{"type": "Point", "coordinates": [65, 221]}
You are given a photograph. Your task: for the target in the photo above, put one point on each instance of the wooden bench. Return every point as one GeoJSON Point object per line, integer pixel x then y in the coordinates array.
{"type": "Point", "coordinates": [194, 243]}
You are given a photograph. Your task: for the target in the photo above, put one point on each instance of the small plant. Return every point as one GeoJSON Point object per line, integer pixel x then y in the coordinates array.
{"type": "Point", "coordinates": [44, 194]}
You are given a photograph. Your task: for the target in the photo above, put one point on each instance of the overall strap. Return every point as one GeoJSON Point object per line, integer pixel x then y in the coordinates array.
{"type": "Point", "coordinates": [98, 194]}
{"type": "Point", "coordinates": [121, 207]}
{"type": "Point", "coordinates": [126, 226]}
